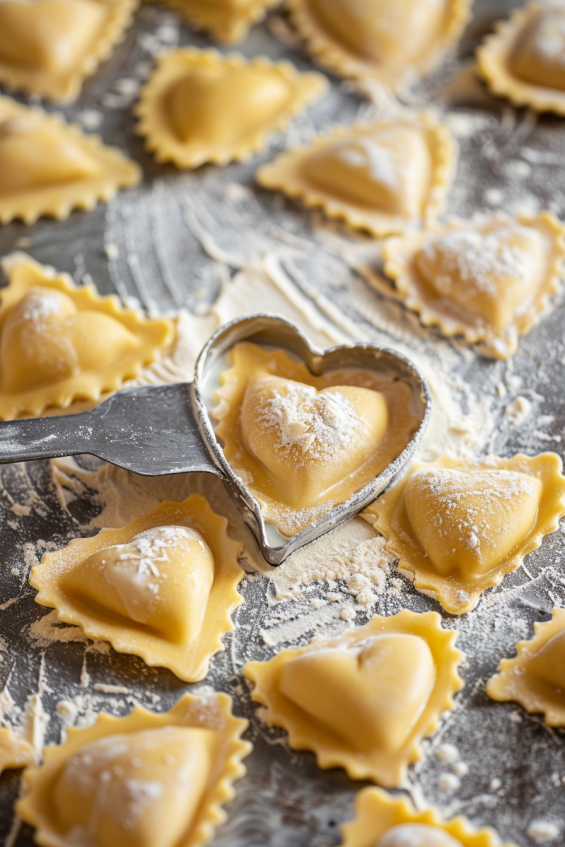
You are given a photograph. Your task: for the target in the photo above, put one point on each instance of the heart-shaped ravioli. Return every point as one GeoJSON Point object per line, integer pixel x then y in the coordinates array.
{"type": "Point", "coordinates": [226, 21]}
{"type": "Point", "coordinates": [35, 154]}
{"type": "Point", "coordinates": [49, 46]}
{"type": "Point", "coordinates": [485, 280]}
{"type": "Point", "coordinates": [308, 441]}
{"type": "Point", "coordinates": [45, 339]}
{"type": "Point", "coordinates": [535, 678]}
{"type": "Point", "coordinates": [359, 692]}
{"type": "Point", "coordinates": [303, 443]}
{"type": "Point", "coordinates": [468, 522]}
{"type": "Point", "coordinates": [51, 35]}
{"type": "Point", "coordinates": [382, 820]}
{"type": "Point", "coordinates": [143, 780]}
{"type": "Point", "coordinates": [493, 275]}
{"type": "Point", "coordinates": [365, 700]}
{"type": "Point", "coordinates": [163, 587]}
{"type": "Point", "coordinates": [459, 526]}
{"type": "Point", "coordinates": [523, 59]}
{"type": "Point", "coordinates": [202, 107]}
{"type": "Point", "coordinates": [383, 177]}
{"type": "Point", "coordinates": [389, 170]}
{"type": "Point", "coordinates": [372, 38]}
{"type": "Point", "coordinates": [160, 579]}
{"type": "Point", "coordinates": [50, 168]}
{"type": "Point", "coordinates": [60, 342]}
{"type": "Point", "coordinates": [137, 789]}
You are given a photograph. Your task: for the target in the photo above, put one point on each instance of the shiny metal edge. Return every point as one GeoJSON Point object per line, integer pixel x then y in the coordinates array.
{"type": "Point", "coordinates": [271, 329]}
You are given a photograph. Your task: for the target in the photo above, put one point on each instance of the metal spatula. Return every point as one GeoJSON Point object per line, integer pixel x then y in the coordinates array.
{"type": "Point", "coordinates": [156, 430]}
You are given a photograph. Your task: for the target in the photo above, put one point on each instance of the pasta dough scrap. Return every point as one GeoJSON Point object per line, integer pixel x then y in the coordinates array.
{"type": "Point", "coordinates": [144, 780]}
{"type": "Point", "coordinates": [200, 106]}
{"type": "Point", "coordinates": [484, 280]}
{"type": "Point", "coordinates": [458, 527]}
{"type": "Point", "coordinates": [523, 59]}
{"type": "Point", "coordinates": [48, 167]}
{"type": "Point", "coordinates": [535, 678]}
{"type": "Point", "coordinates": [302, 443]}
{"type": "Point", "coordinates": [374, 39]}
{"type": "Point", "coordinates": [60, 342]}
{"type": "Point", "coordinates": [14, 752]}
{"type": "Point", "coordinates": [365, 700]}
{"type": "Point", "coordinates": [383, 177]}
{"type": "Point", "coordinates": [49, 47]}
{"type": "Point", "coordinates": [163, 587]}
{"type": "Point", "coordinates": [227, 21]}
{"type": "Point", "coordinates": [384, 821]}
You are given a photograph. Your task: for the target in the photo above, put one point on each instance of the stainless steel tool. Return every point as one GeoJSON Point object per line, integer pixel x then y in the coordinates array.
{"type": "Point", "coordinates": [157, 430]}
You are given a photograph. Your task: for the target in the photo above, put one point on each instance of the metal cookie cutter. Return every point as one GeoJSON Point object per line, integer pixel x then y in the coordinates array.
{"type": "Point", "coordinates": [157, 430]}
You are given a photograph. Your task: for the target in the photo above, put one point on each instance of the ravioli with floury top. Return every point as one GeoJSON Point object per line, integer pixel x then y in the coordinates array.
{"type": "Point", "coordinates": [48, 47]}
{"type": "Point", "coordinates": [365, 700]}
{"type": "Point", "coordinates": [48, 167]}
{"type": "Point", "coordinates": [143, 780]}
{"type": "Point", "coordinates": [384, 177]}
{"type": "Point", "coordinates": [385, 821]}
{"type": "Point", "coordinates": [535, 678]}
{"type": "Point", "coordinates": [523, 59]}
{"type": "Point", "coordinates": [227, 21]}
{"type": "Point", "coordinates": [391, 42]}
{"type": "Point", "coordinates": [163, 587]}
{"type": "Point", "coordinates": [303, 443]}
{"type": "Point", "coordinates": [458, 527]}
{"type": "Point", "coordinates": [60, 342]}
{"type": "Point", "coordinates": [200, 106]}
{"type": "Point", "coordinates": [485, 280]}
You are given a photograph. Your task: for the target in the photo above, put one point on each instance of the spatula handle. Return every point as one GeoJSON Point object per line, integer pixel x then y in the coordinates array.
{"type": "Point", "coordinates": [149, 430]}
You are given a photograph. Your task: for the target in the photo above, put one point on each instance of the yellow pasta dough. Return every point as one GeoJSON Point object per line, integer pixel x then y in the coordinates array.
{"type": "Point", "coordinates": [523, 59]}
{"type": "Point", "coordinates": [48, 47]}
{"type": "Point", "coordinates": [163, 587]}
{"type": "Point", "coordinates": [365, 700]}
{"type": "Point", "coordinates": [385, 821]}
{"type": "Point", "coordinates": [60, 342]}
{"type": "Point", "coordinates": [200, 106]}
{"type": "Point", "coordinates": [382, 177]}
{"type": "Point", "coordinates": [227, 21]}
{"type": "Point", "coordinates": [374, 38]}
{"type": "Point", "coordinates": [458, 527]}
{"type": "Point", "coordinates": [485, 280]}
{"type": "Point", "coordinates": [48, 167]}
{"type": "Point", "coordinates": [302, 443]}
{"type": "Point", "coordinates": [14, 752]}
{"type": "Point", "coordinates": [144, 780]}
{"type": "Point", "coordinates": [535, 678]}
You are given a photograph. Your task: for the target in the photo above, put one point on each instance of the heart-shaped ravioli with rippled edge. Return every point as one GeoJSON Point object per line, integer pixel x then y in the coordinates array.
{"type": "Point", "coordinates": [226, 22]}
{"type": "Point", "coordinates": [365, 700]}
{"type": "Point", "coordinates": [383, 177]}
{"type": "Point", "coordinates": [376, 39]}
{"type": "Point", "coordinates": [151, 779]}
{"type": "Point", "coordinates": [303, 443]}
{"type": "Point", "coordinates": [60, 342]}
{"type": "Point", "coordinates": [200, 106]}
{"type": "Point", "coordinates": [49, 47]}
{"type": "Point", "coordinates": [485, 280]}
{"type": "Point", "coordinates": [523, 59]}
{"type": "Point", "coordinates": [535, 678]}
{"type": "Point", "coordinates": [48, 167]}
{"type": "Point", "coordinates": [458, 527]}
{"type": "Point", "coordinates": [163, 587]}
{"type": "Point", "coordinates": [384, 821]}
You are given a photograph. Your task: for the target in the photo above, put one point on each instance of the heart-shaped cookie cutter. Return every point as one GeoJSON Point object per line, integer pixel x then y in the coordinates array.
{"type": "Point", "coordinates": [158, 430]}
